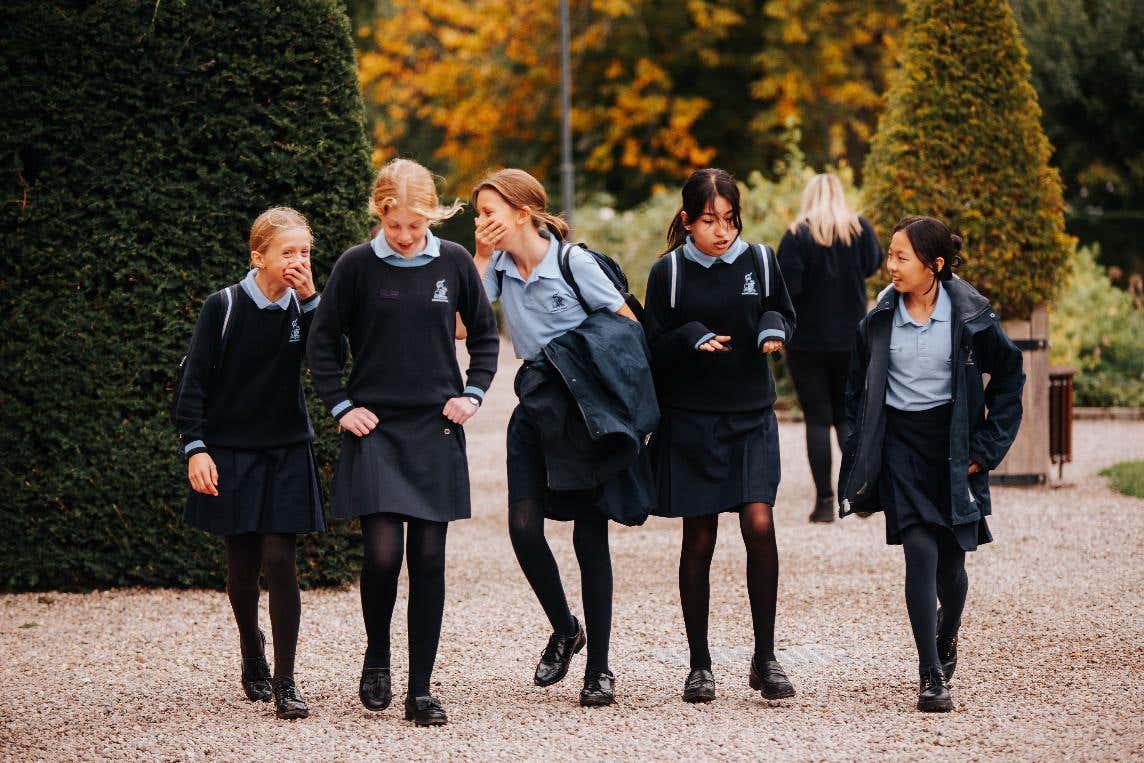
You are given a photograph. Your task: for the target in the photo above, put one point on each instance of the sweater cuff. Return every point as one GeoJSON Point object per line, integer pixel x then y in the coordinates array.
{"type": "Point", "coordinates": [766, 334]}
{"type": "Point", "coordinates": [194, 447]}
{"type": "Point", "coordinates": [772, 319]}
{"type": "Point", "coordinates": [706, 337]}
{"type": "Point", "coordinates": [311, 302]}
{"type": "Point", "coordinates": [471, 391]}
{"type": "Point", "coordinates": [341, 409]}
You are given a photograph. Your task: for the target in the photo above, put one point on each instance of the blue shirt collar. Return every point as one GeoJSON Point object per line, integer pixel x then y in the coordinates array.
{"type": "Point", "coordinates": [382, 248]}
{"type": "Point", "coordinates": [691, 252]}
{"type": "Point", "coordinates": [942, 311]}
{"type": "Point", "coordinates": [250, 286]}
{"type": "Point", "coordinates": [549, 267]}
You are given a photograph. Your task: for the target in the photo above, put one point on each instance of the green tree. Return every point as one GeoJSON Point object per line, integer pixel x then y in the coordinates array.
{"type": "Point", "coordinates": [140, 142]}
{"type": "Point", "coordinates": [961, 140]}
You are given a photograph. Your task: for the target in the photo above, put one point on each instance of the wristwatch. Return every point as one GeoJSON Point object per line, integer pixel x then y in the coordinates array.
{"type": "Point", "coordinates": [475, 401]}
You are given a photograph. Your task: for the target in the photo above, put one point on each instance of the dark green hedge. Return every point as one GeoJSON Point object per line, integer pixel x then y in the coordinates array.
{"type": "Point", "coordinates": [961, 140]}
{"type": "Point", "coordinates": [139, 141]}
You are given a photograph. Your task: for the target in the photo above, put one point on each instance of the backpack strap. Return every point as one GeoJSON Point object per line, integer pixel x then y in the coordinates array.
{"type": "Point", "coordinates": [228, 297]}
{"type": "Point", "coordinates": [564, 260]}
{"type": "Point", "coordinates": [762, 255]}
{"type": "Point", "coordinates": [676, 275]}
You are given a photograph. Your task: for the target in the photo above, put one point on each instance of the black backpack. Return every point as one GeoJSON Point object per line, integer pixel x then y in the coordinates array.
{"type": "Point", "coordinates": [228, 296]}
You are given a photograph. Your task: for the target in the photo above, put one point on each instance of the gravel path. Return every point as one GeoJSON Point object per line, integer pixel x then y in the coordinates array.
{"type": "Point", "coordinates": [1050, 657]}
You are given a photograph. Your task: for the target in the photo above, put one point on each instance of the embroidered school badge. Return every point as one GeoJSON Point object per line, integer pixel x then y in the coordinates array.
{"type": "Point", "coordinates": [295, 331]}
{"type": "Point", "coordinates": [558, 303]}
{"type": "Point", "coordinates": [442, 293]}
{"type": "Point", "coordinates": [749, 287]}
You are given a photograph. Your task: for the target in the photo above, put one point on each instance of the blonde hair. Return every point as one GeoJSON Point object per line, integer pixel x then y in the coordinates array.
{"type": "Point", "coordinates": [405, 183]}
{"type": "Point", "coordinates": [824, 211]}
{"type": "Point", "coordinates": [268, 225]}
{"type": "Point", "coordinates": [520, 190]}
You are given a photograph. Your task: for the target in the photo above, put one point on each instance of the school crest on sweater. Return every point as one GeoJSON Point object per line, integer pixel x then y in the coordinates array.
{"type": "Point", "coordinates": [750, 289]}
{"type": "Point", "coordinates": [442, 292]}
{"type": "Point", "coordinates": [295, 331]}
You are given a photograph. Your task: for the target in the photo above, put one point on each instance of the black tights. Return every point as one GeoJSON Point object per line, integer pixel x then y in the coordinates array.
{"type": "Point", "coordinates": [590, 538]}
{"type": "Point", "coordinates": [818, 453]}
{"type": "Point", "coordinates": [935, 571]}
{"type": "Point", "coordinates": [699, 533]}
{"type": "Point", "coordinates": [384, 538]}
{"type": "Point", "coordinates": [273, 555]}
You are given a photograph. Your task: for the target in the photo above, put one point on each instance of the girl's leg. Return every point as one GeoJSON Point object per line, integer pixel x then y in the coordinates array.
{"type": "Point", "coordinates": [590, 538]}
{"type": "Point", "coordinates": [952, 585]}
{"type": "Point", "coordinates": [280, 568]}
{"type": "Point", "coordinates": [699, 534]}
{"type": "Point", "coordinates": [819, 455]}
{"type": "Point", "coordinates": [383, 540]}
{"type": "Point", "coordinates": [757, 525]}
{"type": "Point", "coordinates": [243, 562]}
{"type": "Point", "coordinates": [426, 548]}
{"type": "Point", "coordinates": [921, 550]}
{"type": "Point", "coordinates": [526, 530]}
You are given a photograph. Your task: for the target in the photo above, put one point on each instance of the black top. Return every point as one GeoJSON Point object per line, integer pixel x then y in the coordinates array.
{"type": "Point", "coordinates": [250, 396]}
{"type": "Point", "coordinates": [401, 329]}
{"type": "Point", "coordinates": [827, 285]}
{"type": "Point", "coordinates": [725, 299]}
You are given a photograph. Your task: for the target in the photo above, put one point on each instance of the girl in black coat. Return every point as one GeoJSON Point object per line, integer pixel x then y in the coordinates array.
{"type": "Point", "coordinates": [716, 306]}
{"type": "Point", "coordinates": [826, 257]}
{"type": "Point", "coordinates": [924, 432]}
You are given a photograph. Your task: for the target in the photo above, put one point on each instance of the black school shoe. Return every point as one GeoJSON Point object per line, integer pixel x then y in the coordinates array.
{"type": "Point", "coordinates": [256, 675]}
{"type": "Point", "coordinates": [699, 686]}
{"type": "Point", "coordinates": [599, 689]}
{"type": "Point", "coordinates": [946, 652]}
{"type": "Point", "coordinates": [823, 510]}
{"type": "Point", "coordinates": [374, 689]}
{"type": "Point", "coordinates": [557, 656]}
{"type": "Point", "coordinates": [288, 703]}
{"type": "Point", "coordinates": [426, 710]}
{"type": "Point", "coordinates": [933, 696]}
{"type": "Point", "coordinates": [772, 681]}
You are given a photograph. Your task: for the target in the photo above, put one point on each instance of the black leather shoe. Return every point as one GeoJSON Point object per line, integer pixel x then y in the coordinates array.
{"type": "Point", "coordinates": [599, 689]}
{"type": "Point", "coordinates": [699, 686]}
{"type": "Point", "coordinates": [933, 697]}
{"type": "Point", "coordinates": [557, 656]}
{"type": "Point", "coordinates": [373, 689]}
{"type": "Point", "coordinates": [425, 711]}
{"type": "Point", "coordinates": [946, 652]}
{"type": "Point", "coordinates": [823, 510]}
{"type": "Point", "coordinates": [256, 675]}
{"type": "Point", "coordinates": [772, 681]}
{"type": "Point", "coordinates": [288, 703]}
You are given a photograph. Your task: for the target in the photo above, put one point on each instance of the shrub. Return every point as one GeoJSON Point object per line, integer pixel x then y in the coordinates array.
{"type": "Point", "coordinates": [141, 139]}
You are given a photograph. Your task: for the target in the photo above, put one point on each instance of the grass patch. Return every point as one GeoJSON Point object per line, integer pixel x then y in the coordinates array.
{"type": "Point", "coordinates": [1127, 477]}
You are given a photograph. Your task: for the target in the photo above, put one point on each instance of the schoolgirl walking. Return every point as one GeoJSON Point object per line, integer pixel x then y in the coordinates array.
{"type": "Point", "coordinates": [716, 306]}
{"type": "Point", "coordinates": [247, 439]}
{"type": "Point", "coordinates": [402, 468]}
{"type": "Point", "coordinates": [925, 432]}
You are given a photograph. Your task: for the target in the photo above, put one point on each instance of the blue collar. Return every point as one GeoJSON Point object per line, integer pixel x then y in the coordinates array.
{"type": "Point", "coordinates": [941, 311]}
{"type": "Point", "coordinates": [691, 252]}
{"type": "Point", "coordinates": [549, 267]}
{"type": "Point", "coordinates": [250, 286]}
{"type": "Point", "coordinates": [383, 250]}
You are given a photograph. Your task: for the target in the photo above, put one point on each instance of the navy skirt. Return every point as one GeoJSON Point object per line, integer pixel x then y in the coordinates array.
{"type": "Point", "coordinates": [273, 490]}
{"type": "Point", "coordinates": [412, 464]}
{"type": "Point", "coordinates": [706, 463]}
{"type": "Point", "coordinates": [915, 485]}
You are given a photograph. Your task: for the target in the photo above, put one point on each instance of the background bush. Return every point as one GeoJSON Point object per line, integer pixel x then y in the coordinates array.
{"type": "Point", "coordinates": [140, 140]}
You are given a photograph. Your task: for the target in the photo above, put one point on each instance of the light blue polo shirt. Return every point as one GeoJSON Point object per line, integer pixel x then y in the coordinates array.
{"type": "Point", "coordinates": [428, 253]}
{"type": "Point", "coordinates": [545, 306]}
{"type": "Point", "coordinates": [920, 370]}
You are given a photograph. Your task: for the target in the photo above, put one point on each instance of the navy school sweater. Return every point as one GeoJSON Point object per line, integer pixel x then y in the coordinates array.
{"type": "Point", "coordinates": [401, 329]}
{"type": "Point", "coordinates": [725, 299]}
{"type": "Point", "coordinates": [250, 396]}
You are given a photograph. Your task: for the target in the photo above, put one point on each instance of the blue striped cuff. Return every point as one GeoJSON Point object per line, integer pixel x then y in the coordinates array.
{"type": "Point", "coordinates": [766, 334]}
{"type": "Point", "coordinates": [341, 408]}
{"type": "Point", "coordinates": [196, 444]}
{"type": "Point", "coordinates": [311, 303]}
{"type": "Point", "coordinates": [476, 392]}
{"type": "Point", "coordinates": [706, 337]}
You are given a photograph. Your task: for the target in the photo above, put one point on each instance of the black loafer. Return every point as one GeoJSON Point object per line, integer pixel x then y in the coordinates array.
{"type": "Point", "coordinates": [946, 652]}
{"type": "Point", "coordinates": [933, 696]}
{"type": "Point", "coordinates": [823, 510]}
{"type": "Point", "coordinates": [425, 711]}
{"type": "Point", "coordinates": [256, 675]}
{"type": "Point", "coordinates": [557, 656]}
{"type": "Point", "coordinates": [699, 686]}
{"type": "Point", "coordinates": [599, 690]}
{"type": "Point", "coordinates": [373, 689]}
{"type": "Point", "coordinates": [288, 703]}
{"type": "Point", "coordinates": [772, 681]}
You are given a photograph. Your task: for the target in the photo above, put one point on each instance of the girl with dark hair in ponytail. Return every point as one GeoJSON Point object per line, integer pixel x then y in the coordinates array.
{"type": "Point", "coordinates": [925, 432]}
{"type": "Point", "coordinates": [716, 306]}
